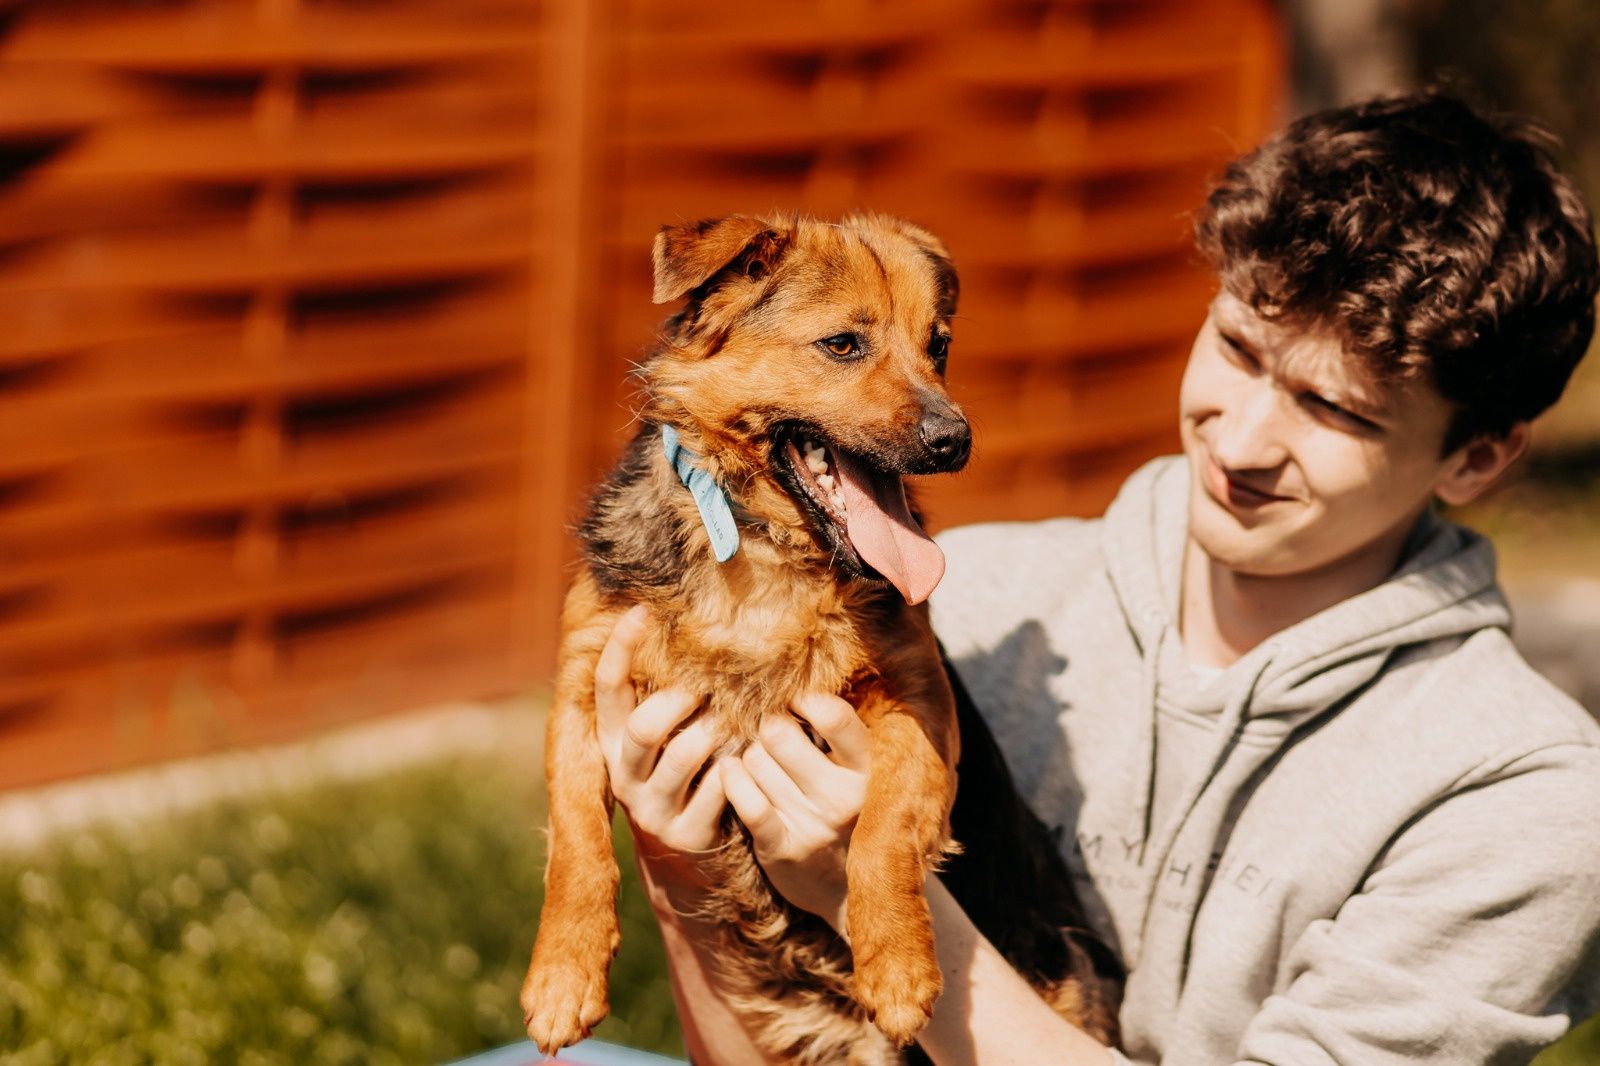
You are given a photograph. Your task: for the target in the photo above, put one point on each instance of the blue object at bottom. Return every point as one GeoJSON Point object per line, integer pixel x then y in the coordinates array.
{"type": "Point", "coordinates": [585, 1053]}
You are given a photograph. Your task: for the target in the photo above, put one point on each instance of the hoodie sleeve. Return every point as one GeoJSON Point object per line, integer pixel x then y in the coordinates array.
{"type": "Point", "coordinates": [1473, 940]}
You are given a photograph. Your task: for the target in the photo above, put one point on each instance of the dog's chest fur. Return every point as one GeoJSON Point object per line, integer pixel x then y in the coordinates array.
{"type": "Point", "coordinates": [752, 656]}
{"type": "Point", "coordinates": [750, 633]}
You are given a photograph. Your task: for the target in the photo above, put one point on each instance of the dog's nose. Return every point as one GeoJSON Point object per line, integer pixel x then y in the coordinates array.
{"type": "Point", "coordinates": [949, 439]}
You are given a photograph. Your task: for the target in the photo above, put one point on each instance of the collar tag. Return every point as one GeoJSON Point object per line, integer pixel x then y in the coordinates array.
{"type": "Point", "coordinates": [716, 514]}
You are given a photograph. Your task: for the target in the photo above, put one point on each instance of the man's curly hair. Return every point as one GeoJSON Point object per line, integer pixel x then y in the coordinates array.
{"type": "Point", "coordinates": [1435, 243]}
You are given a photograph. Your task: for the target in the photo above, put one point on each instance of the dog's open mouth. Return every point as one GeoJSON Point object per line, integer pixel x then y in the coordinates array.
{"type": "Point", "coordinates": [862, 512]}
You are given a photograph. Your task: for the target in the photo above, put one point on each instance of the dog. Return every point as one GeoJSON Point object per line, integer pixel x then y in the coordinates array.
{"type": "Point", "coordinates": [760, 513]}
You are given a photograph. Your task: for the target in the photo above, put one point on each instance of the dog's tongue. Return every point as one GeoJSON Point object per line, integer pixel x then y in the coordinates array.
{"type": "Point", "coordinates": [884, 533]}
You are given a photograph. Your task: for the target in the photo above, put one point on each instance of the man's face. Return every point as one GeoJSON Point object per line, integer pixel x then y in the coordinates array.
{"type": "Point", "coordinates": [1297, 459]}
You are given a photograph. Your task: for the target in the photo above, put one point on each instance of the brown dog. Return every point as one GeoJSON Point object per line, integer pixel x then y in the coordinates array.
{"type": "Point", "coordinates": [804, 377]}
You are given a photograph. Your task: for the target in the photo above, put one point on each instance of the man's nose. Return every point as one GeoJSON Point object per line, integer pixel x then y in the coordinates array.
{"type": "Point", "coordinates": [1249, 429]}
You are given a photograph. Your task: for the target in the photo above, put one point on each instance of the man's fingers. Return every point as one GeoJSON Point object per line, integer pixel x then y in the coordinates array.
{"type": "Point", "coordinates": [837, 723]}
{"type": "Point", "coordinates": [682, 758]}
{"type": "Point", "coordinates": [816, 774]}
{"type": "Point", "coordinates": [648, 727]}
{"type": "Point", "coordinates": [613, 671]}
{"type": "Point", "coordinates": [702, 815]}
{"type": "Point", "coordinates": [775, 781]}
{"type": "Point", "coordinates": [751, 805]}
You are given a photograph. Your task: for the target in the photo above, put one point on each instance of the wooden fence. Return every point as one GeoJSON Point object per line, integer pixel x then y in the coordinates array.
{"type": "Point", "coordinates": [316, 312]}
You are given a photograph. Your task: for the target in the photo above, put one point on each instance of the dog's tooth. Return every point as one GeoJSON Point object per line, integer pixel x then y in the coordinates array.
{"type": "Point", "coordinates": [838, 501]}
{"type": "Point", "coordinates": [826, 481]}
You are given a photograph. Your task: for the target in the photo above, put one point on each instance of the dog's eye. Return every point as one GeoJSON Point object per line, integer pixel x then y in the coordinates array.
{"type": "Point", "coordinates": [841, 345]}
{"type": "Point", "coordinates": [939, 350]}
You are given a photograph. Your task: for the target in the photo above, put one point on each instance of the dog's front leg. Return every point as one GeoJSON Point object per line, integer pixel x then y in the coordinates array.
{"type": "Point", "coordinates": [899, 837]}
{"type": "Point", "coordinates": [564, 994]}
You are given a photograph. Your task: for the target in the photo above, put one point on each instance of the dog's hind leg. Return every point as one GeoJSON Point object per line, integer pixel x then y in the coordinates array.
{"type": "Point", "coordinates": [901, 834]}
{"type": "Point", "coordinates": [564, 994]}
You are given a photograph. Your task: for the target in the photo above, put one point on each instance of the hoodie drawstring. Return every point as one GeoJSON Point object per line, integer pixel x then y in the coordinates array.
{"type": "Point", "coordinates": [1150, 687]}
{"type": "Point", "coordinates": [1229, 726]}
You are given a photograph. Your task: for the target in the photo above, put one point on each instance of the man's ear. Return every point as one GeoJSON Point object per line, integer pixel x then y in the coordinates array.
{"type": "Point", "coordinates": [687, 256]}
{"type": "Point", "coordinates": [1477, 464]}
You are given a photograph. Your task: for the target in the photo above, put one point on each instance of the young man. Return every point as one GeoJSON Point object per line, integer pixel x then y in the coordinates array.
{"type": "Point", "coordinates": [1310, 791]}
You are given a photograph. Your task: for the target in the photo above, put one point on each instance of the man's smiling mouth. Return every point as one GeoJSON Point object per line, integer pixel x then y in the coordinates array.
{"type": "Point", "coordinates": [1231, 491]}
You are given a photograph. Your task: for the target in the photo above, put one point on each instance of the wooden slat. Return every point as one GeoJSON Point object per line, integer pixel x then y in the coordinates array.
{"type": "Point", "coordinates": [222, 263]}
{"type": "Point", "coordinates": [221, 601]}
{"type": "Point", "coordinates": [238, 40]}
{"type": "Point", "coordinates": [219, 149]}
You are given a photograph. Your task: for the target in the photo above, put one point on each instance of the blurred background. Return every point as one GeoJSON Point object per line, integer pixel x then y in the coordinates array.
{"type": "Point", "coordinates": [317, 315]}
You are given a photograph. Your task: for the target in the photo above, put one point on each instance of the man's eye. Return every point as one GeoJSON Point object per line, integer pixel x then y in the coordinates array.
{"type": "Point", "coordinates": [939, 350]}
{"type": "Point", "coordinates": [1241, 355]}
{"type": "Point", "coordinates": [1342, 415]}
{"type": "Point", "coordinates": [841, 345]}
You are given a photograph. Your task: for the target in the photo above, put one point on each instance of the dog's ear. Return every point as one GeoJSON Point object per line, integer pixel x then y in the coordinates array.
{"type": "Point", "coordinates": [689, 255]}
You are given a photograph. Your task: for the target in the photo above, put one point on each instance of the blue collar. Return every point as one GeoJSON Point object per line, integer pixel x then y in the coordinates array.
{"type": "Point", "coordinates": [715, 511]}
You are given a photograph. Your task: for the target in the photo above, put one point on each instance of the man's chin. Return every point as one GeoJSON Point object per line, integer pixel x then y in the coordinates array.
{"type": "Point", "coordinates": [1257, 552]}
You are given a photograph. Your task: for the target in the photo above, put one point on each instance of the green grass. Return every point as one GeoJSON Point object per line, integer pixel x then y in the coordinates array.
{"type": "Point", "coordinates": [374, 922]}
{"type": "Point", "coordinates": [1580, 1048]}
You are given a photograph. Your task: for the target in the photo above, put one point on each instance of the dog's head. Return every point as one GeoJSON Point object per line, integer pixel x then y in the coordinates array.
{"type": "Point", "coordinates": [807, 369]}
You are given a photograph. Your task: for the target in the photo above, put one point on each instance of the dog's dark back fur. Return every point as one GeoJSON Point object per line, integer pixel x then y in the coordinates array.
{"type": "Point", "coordinates": [636, 549]}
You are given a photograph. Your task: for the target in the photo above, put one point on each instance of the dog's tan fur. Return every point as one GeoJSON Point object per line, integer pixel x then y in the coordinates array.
{"type": "Point", "coordinates": [778, 619]}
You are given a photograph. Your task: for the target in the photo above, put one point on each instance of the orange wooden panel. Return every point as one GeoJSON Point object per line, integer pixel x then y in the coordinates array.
{"type": "Point", "coordinates": [318, 314]}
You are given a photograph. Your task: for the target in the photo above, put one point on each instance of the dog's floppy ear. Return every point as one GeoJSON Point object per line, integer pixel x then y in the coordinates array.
{"type": "Point", "coordinates": [687, 256]}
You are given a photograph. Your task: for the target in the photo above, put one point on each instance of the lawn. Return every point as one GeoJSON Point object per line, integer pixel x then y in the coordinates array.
{"type": "Point", "coordinates": [371, 922]}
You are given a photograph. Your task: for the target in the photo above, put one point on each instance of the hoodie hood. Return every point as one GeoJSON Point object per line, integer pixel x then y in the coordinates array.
{"type": "Point", "coordinates": [1444, 586]}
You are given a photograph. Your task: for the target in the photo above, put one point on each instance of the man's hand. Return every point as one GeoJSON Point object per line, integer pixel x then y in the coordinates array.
{"type": "Point", "coordinates": [800, 803]}
{"type": "Point", "coordinates": [651, 774]}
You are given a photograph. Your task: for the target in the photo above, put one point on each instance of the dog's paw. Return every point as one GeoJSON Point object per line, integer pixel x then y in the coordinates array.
{"type": "Point", "coordinates": [898, 990]}
{"type": "Point", "coordinates": [561, 1005]}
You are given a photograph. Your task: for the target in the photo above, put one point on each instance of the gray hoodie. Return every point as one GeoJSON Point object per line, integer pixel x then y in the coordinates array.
{"type": "Point", "coordinates": [1373, 839]}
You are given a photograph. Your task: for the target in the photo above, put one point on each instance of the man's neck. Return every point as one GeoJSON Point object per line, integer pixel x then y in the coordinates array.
{"type": "Point", "coordinates": [1223, 613]}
